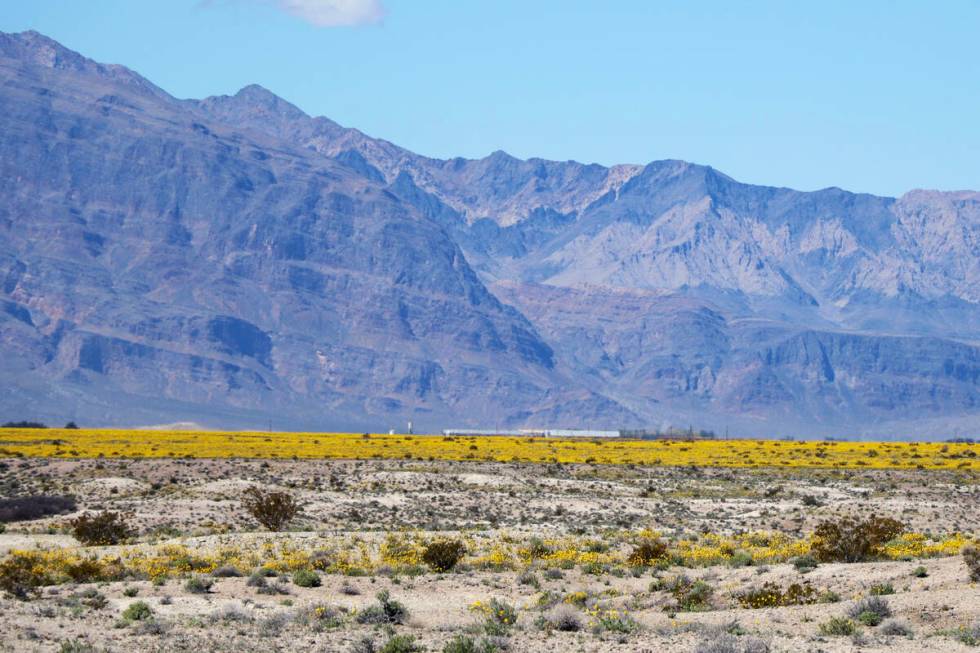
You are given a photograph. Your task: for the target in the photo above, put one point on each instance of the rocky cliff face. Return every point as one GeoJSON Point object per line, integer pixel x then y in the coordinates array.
{"type": "Point", "coordinates": [233, 260]}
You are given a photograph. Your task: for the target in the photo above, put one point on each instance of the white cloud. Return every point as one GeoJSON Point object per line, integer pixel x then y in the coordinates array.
{"type": "Point", "coordinates": [328, 13]}
{"type": "Point", "coordinates": [335, 13]}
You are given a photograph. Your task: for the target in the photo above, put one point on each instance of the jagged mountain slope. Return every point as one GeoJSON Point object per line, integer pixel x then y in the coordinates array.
{"type": "Point", "coordinates": [232, 259]}
{"type": "Point", "coordinates": [161, 265]}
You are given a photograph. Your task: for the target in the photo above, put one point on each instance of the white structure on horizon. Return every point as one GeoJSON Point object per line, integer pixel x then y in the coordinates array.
{"type": "Point", "coordinates": [539, 433]}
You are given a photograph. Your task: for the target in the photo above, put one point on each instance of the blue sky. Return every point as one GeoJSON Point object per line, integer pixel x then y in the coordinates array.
{"type": "Point", "coordinates": [871, 96]}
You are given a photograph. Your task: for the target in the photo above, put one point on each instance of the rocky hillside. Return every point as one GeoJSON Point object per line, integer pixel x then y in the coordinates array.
{"type": "Point", "coordinates": [234, 261]}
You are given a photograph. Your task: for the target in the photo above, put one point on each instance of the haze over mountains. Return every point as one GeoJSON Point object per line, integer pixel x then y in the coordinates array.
{"type": "Point", "coordinates": [233, 261]}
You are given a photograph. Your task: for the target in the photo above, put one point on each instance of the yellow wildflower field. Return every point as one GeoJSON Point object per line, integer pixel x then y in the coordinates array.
{"type": "Point", "coordinates": [63, 443]}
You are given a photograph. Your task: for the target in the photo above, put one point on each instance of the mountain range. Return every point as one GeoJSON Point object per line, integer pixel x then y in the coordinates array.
{"type": "Point", "coordinates": [237, 263]}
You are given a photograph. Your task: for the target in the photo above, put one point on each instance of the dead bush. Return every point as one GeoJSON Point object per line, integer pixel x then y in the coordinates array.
{"type": "Point", "coordinates": [443, 555]}
{"type": "Point", "coordinates": [971, 556]}
{"type": "Point", "coordinates": [274, 510]}
{"type": "Point", "coordinates": [102, 529]}
{"type": "Point", "coordinates": [647, 552]}
{"type": "Point", "coordinates": [852, 540]}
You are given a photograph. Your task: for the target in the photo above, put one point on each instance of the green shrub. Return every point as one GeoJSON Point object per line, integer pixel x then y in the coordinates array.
{"type": "Point", "coordinates": [137, 611]}
{"type": "Point", "coordinates": [131, 591]}
{"type": "Point", "coordinates": [870, 611]}
{"type": "Point", "coordinates": [400, 644]}
{"type": "Point", "coordinates": [306, 578]}
{"type": "Point", "coordinates": [76, 646]}
{"type": "Point", "coordinates": [771, 595]}
{"type": "Point", "coordinates": [443, 555]}
{"type": "Point", "coordinates": [881, 589]}
{"type": "Point", "coordinates": [198, 585]}
{"type": "Point", "coordinates": [103, 529]}
{"type": "Point", "coordinates": [274, 510]}
{"type": "Point", "coordinates": [838, 627]}
{"type": "Point", "coordinates": [853, 540]}
{"type": "Point", "coordinates": [920, 572]}
{"type": "Point", "coordinates": [805, 563]}
{"type": "Point", "coordinates": [387, 611]}
{"type": "Point", "coordinates": [466, 644]}
{"type": "Point", "coordinates": [689, 596]}
{"type": "Point", "coordinates": [498, 616]}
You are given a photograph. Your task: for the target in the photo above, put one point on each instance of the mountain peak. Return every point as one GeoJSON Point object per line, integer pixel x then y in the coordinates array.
{"type": "Point", "coordinates": [38, 49]}
{"type": "Point", "coordinates": [259, 97]}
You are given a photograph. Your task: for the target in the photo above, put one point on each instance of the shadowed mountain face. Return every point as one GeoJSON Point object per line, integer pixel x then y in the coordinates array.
{"type": "Point", "coordinates": [232, 260]}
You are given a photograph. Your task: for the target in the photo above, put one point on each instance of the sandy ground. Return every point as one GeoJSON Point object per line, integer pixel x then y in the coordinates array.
{"type": "Point", "coordinates": [201, 498]}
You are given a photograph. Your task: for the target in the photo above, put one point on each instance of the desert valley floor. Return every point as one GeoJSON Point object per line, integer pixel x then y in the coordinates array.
{"type": "Point", "coordinates": [549, 542]}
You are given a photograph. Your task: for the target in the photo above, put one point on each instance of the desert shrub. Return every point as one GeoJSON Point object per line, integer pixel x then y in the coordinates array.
{"type": "Point", "coordinates": [805, 563]}
{"type": "Point", "coordinates": [689, 596]}
{"type": "Point", "coordinates": [895, 628]}
{"type": "Point", "coordinates": [771, 595]}
{"type": "Point", "coordinates": [853, 540]}
{"type": "Point", "coordinates": [647, 552]}
{"type": "Point", "coordinates": [443, 555]}
{"type": "Point", "coordinates": [321, 616]}
{"type": "Point", "coordinates": [466, 644]}
{"type": "Point", "coordinates": [920, 572]}
{"type": "Point", "coordinates": [306, 578]}
{"type": "Point", "coordinates": [92, 598]}
{"type": "Point", "coordinates": [131, 591]}
{"type": "Point", "coordinates": [564, 618]}
{"type": "Point", "coordinates": [870, 611]}
{"type": "Point", "coordinates": [969, 635]}
{"type": "Point", "coordinates": [198, 585]}
{"type": "Point", "coordinates": [723, 642]}
{"type": "Point", "coordinates": [497, 616]}
{"type": "Point", "coordinates": [274, 510]}
{"type": "Point", "coordinates": [971, 556]}
{"type": "Point", "coordinates": [400, 644]}
{"type": "Point", "coordinates": [275, 588]}
{"type": "Point", "coordinates": [881, 589]}
{"type": "Point", "coordinates": [85, 570]}
{"type": "Point", "coordinates": [76, 646]}
{"type": "Point", "coordinates": [387, 611]}
{"type": "Point", "coordinates": [838, 627]}
{"type": "Point", "coordinates": [101, 529]}
{"type": "Point", "coordinates": [528, 577]}
{"type": "Point", "coordinates": [553, 574]}
{"type": "Point", "coordinates": [741, 559]}
{"type": "Point", "coordinates": [35, 507]}
{"type": "Point", "coordinates": [137, 611]}
{"type": "Point", "coordinates": [364, 645]}
{"type": "Point", "coordinates": [226, 571]}
{"type": "Point", "coordinates": [21, 575]}
{"type": "Point", "coordinates": [612, 621]}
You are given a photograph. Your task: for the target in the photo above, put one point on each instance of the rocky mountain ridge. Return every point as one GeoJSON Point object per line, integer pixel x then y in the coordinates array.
{"type": "Point", "coordinates": [232, 260]}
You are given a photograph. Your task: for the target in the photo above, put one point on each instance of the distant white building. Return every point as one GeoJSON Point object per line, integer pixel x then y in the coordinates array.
{"type": "Point", "coordinates": [536, 433]}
